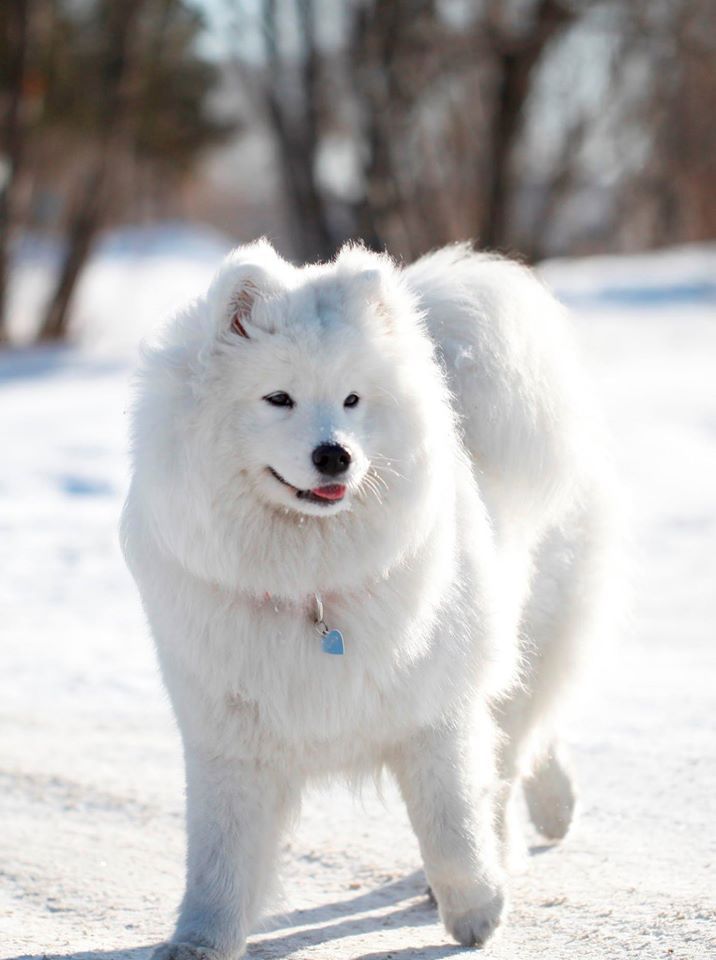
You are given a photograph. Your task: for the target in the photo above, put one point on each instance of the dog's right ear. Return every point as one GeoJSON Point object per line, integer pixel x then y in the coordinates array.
{"type": "Point", "coordinates": [241, 308]}
{"type": "Point", "coordinates": [248, 279]}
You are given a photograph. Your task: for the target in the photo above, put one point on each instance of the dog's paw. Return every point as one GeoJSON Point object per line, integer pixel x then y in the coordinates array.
{"type": "Point", "coordinates": [472, 913]}
{"type": "Point", "coordinates": [192, 951]}
{"type": "Point", "coordinates": [551, 798]}
{"type": "Point", "coordinates": [472, 926]}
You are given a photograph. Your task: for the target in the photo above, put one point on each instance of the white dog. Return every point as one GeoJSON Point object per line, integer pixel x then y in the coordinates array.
{"type": "Point", "coordinates": [367, 521]}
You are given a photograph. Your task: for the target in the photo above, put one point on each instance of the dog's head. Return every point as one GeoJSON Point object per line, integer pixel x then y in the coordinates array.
{"type": "Point", "coordinates": [318, 379]}
{"type": "Point", "coordinates": [291, 424]}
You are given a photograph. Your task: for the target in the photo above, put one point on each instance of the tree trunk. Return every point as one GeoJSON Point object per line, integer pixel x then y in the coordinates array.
{"type": "Point", "coordinates": [516, 62]}
{"type": "Point", "coordinates": [12, 139]}
{"type": "Point", "coordinates": [297, 137]}
{"type": "Point", "coordinates": [84, 223]}
{"type": "Point", "coordinates": [385, 99]}
{"type": "Point", "coordinates": [89, 210]}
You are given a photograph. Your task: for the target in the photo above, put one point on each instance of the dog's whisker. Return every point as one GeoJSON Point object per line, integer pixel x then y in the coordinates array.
{"type": "Point", "coordinates": [378, 477]}
{"type": "Point", "coordinates": [373, 489]}
{"type": "Point", "coordinates": [371, 486]}
{"type": "Point", "coordinates": [388, 460]}
{"type": "Point", "coordinates": [387, 469]}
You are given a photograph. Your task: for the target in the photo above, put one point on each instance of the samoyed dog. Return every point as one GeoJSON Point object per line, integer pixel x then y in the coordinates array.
{"type": "Point", "coordinates": [368, 520]}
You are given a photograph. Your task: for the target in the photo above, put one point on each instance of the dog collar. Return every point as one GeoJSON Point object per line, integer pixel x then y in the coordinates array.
{"type": "Point", "coordinates": [331, 639]}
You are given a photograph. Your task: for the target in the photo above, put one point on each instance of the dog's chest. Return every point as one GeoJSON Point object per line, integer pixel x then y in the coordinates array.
{"type": "Point", "coordinates": [391, 676]}
{"type": "Point", "coordinates": [301, 690]}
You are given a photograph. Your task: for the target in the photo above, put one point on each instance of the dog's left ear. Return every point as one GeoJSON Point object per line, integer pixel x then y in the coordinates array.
{"type": "Point", "coordinates": [369, 289]}
{"type": "Point", "coordinates": [369, 285]}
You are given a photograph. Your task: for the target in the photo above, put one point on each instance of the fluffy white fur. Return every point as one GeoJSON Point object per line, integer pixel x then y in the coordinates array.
{"type": "Point", "coordinates": [464, 565]}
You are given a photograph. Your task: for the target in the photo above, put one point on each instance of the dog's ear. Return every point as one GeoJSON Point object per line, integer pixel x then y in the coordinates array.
{"type": "Point", "coordinates": [369, 289]}
{"type": "Point", "coordinates": [247, 280]}
{"type": "Point", "coordinates": [369, 285]}
{"type": "Point", "coordinates": [241, 306]}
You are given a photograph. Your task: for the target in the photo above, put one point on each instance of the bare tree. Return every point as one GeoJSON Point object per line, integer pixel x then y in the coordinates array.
{"type": "Point", "coordinates": [389, 45]}
{"type": "Point", "coordinates": [680, 172]}
{"type": "Point", "coordinates": [293, 100]}
{"type": "Point", "coordinates": [439, 111]}
{"type": "Point", "coordinates": [90, 202]}
{"type": "Point", "coordinates": [433, 102]}
{"type": "Point", "coordinates": [516, 57]}
{"type": "Point", "coordinates": [286, 94]}
{"type": "Point", "coordinates": [15, 16]}
{"type": "Point", "coordinates": [403, 51]}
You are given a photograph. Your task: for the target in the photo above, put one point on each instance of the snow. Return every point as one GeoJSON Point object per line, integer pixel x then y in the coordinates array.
{"type": "Point", "coordinates": [91, 844]}
{"type": "Point", "coordinates": [664, 277]}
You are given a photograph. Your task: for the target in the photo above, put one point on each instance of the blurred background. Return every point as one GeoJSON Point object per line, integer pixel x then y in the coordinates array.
{"type": "Point", "coordinates": [537, 127]}
{"type": "Point", "coordinates": [139, 141]}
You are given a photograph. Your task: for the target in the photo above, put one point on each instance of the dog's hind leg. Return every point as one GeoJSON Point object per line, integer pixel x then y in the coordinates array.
{"type": "Point", "coordinates": [554, 622]}
{"type": "Point", "coordinates": [570, 601]}
{"type": "Point", "coordinates": [530, 756]}
{"type": "Point", "coordinates": [550, 794]}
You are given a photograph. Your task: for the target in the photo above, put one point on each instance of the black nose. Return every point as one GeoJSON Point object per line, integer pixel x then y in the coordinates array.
{"type": "Point", "coordinates": [331, 459]}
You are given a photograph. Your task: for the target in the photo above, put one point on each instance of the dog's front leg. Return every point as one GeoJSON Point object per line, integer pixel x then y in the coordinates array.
{"type": "Point", "coordinates": [446, 778]}
{"type": "Point", "coordinates": [235, 812]}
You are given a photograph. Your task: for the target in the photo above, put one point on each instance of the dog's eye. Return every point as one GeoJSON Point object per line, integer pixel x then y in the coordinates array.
{"type": "Point", "coordinates": [279, 399]}
{"type": "Point", "coordinates": [351, 400]}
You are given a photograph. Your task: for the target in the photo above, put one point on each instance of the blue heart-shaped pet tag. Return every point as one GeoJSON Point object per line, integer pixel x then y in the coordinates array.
{"type": "Point", "coordinates": [332, 642]}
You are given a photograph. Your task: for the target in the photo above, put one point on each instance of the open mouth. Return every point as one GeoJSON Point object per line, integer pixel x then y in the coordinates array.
{"type": "Point", "coordinates": [329, 493]}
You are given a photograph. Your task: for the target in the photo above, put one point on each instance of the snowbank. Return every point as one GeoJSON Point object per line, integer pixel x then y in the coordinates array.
{"type": "Point", "coordinates": [662, 278]}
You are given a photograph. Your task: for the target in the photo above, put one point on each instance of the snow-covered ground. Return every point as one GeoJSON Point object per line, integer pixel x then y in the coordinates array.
{"type": "Point", "coordinates": [91, 838]}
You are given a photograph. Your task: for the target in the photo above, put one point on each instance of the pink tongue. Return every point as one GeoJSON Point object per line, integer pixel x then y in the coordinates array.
{"type": "Point", "coordinates": [334, 491]}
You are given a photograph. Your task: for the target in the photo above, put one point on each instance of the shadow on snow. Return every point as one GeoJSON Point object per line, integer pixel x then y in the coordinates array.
{"type": "Point", "coordinates": [321, 925]}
